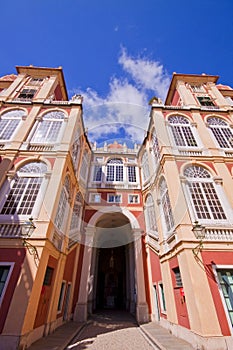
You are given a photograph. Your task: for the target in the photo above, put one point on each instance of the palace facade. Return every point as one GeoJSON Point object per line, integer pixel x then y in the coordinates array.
{"type": "Point", "coordinates": [148, 230]}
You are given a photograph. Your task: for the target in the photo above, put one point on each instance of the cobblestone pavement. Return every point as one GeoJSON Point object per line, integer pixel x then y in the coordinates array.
{"type": "Point", "coordinates": [111, 331]}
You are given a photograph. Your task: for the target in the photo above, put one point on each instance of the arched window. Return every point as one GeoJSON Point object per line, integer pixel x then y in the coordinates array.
{"type": "Point", "coordinates": [202, 192]}
{"type": "Point", "coordinates": [63, 205]}
{"type": "Point", "coordinates": [84, 165]}
{"type": "Point", "coordinates": [24, 189]}
{"type": "Point", "coordinates": [150, 214]}
{"type": "Point", "coordinates": [166, 205]}
{"type": "Point", "coordinates": [155, 146]}
{"type": "Point", "coordinates": [182, 131]}
{"type": "Point", "coordinates": [9, 122]}
{"type": "Point", "coordinates": [145, 166]}
{"type": "Point", "coordinates": [114, 170]}
{"type": "Point", "coordinates": [75, 149]}
{"type": "Point", "coordinates": [48, 129]}
{"type": "Point", "coordinates": [221, 131]}
{"type": "Point", "coordinates": [77, 212]}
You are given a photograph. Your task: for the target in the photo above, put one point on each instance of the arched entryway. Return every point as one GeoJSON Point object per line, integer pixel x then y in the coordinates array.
{"type": "Point", "coordinates": [112, 274]}
{"type": "Point", "coordinates": [113, 264]}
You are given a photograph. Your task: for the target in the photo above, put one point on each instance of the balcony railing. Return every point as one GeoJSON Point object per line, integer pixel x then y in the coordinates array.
{"type": "Point", "coordinates": [10, 230]}
{"type": "Point", "coordinates": [219, 234]}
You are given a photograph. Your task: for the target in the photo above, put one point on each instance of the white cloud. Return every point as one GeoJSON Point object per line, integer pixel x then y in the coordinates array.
{"type": "Point", "coordinates": [126, 104]}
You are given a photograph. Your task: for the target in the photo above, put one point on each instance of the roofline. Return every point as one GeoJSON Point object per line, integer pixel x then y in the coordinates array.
{"type": "Point", "coordinates": [189, 78]}
{"type": "Point", "coordinates": [45, 71]}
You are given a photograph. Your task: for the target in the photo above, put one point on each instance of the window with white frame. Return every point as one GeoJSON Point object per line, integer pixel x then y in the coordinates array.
{"type": "Point", "coordinates": [36, 81]}
{"type": "Point", "coordinates": [61, 297]}
{"type": "Point", "coordinates": [95, 197]}
{"type": "Point", "coordinates": [202, 192]}
{"type": "Point", "coordinates": [221, 131]}
{"type": "Point", "coordinates": [24, 189]}
{"type": "Point", "coordinates": [205, 101]}
{"type": "Point", "coordinates": [225, 278]}
{"type": "Point", "coordinates": [63, 205]}
{"type": "Point", "coordinates": [151, 225]}
{"type": "Point", "coordinates": [182, 131]}
{"type": "Point", "coordinates": [77, 212]}
{"type": "Point", "coordinates": [114, 198]}
{"type": "Point", "coordinates": [155, 146]}
{"type": "Point", "coordinates": [133, 198]}
{"type": "Point", "coordinates": [145, 166]}
{"type": "Point", "coordinates": [5, 271]}
{"type": "Point", "coordinates": [97, 174]}
{"type": "Point", "coordinates": [27, 93]}
{"type": "Point", "coordinates": [132, 173]}
{"type": "Point", "coordinates": [114, 170]}
{"type": "Point", "coordinates": [197, 88]}
{"type": "Point", "coordinates": [48, 129]}
{"type": "Point", "coordinates": [162, 297]}
{"type": "Point", "coordinates": [84, 165]}
{"type": "Point", "coordinates": [166, 205]}
{"type": "Point", "coordinates": [75, 150]}
{"type": "Point", "coordinates": [9, 122]}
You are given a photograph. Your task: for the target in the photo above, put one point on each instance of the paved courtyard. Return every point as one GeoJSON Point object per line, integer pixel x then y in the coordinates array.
{"type": "Point", "coordinates": [111, 331]}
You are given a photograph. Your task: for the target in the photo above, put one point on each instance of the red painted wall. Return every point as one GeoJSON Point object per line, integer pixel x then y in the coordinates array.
{"type": "Point", "coordinates": [217, 258]}
{"type": "Point", "coordinates": [181, 308]}
{"type": "Point", "coordinates": [17, 256]}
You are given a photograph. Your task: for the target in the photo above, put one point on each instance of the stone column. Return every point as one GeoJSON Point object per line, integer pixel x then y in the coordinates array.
{"type": "Point", "coordinates": [80, 312]}
{"type": "Point", "coordinates": [141, 304]}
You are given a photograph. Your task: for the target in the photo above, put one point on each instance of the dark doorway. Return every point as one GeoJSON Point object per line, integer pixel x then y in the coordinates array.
{"type": "Point", "coordinates": [111, 280]}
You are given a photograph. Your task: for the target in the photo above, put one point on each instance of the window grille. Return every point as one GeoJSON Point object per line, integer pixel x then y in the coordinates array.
{"type": "Point", "coordinates": [203, 194]}
{"type": "Point", "coordinates": [114, 198]}
{"type": "Point", "coordinates": [132, 174]}
{"type": "Point", "coordinates": [9, 121]}
{"type": "Point", "coordinates": [145, 166]}
{"type": "Point", "coordinates": [150, 214]}
{"type": "Point", "coordinates": [48, 128]}
{"type": "Point", "coordinates": [97, 176]}
{"type": "Point", "coordinates": [182, 131]}
{"type": "Point", "coordinates": [24, 189]}
{"type": "Point", "coordinates": [166, 205]}
{"type": "Point", "coordinates": [115, 170]}
{"type": "Point", "coordinates": [178, 279]}
{"type": "Point", "coordinates": [225, 278]}
{"type": "Point", "coordinates": [4, 272]}
{"type": "Point", "coordinates": [221, 131]}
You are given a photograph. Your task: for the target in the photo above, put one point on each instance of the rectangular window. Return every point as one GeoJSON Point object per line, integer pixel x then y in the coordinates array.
{"type": "Point", "coordinates": [4, 273]}
{"type": "Point", "coordinates": [114, 198]}
{"type": "Point", "coordinates": [205, 101]}
{"type": "Point", "coordinates": [35, 81]}
{"type": "Point", "coordinates": [132, 174]}
{"type": "Point", "coordinates": [61, 297]}
{"type": "Point", "coordinates": [225, 278]}
{"type": "Point", "coordinates": [177, 274]}
{"type": "Point", "coordinates": [95, 197]}
{"type": "Point", "coordinates": [48, 276]}
{"type": "Point", "coordinates": [133, 198]}
{"type": "Point", "coordinates": [197, 88]}
{"type": "Point", "coordinates": [27, 94]}
{"type": "Point", "coordinates": [97, 176]}
{"type": "Point", "coordinates": [162, 298]}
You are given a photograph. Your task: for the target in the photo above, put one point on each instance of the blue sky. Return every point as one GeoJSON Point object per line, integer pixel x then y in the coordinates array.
{"type": "Point", "coordinates": [118, 53]}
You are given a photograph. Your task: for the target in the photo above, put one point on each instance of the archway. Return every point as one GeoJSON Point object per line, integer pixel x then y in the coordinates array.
{"type": "Point", "coordinates": [113, 264]}
{"type": "Point", "coordinates": [112, 231]}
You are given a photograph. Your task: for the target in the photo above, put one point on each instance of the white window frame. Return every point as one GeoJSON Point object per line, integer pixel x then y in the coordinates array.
{"type": "Point", "coordinates": [8, 185]}
{"type": "Point", "coordinates": [164, 197]}
{"type": "Point", "coordinates": [63, 207]}
{"type": "Point", "coordinates": [115, 196]}
{"type": "Point", "coordinates": [145, 166]}
{"type": "Point", "coordinates": [11, 264]}
{"type": "Point", "coordinates": [10, 118]}
{"type": "Point", "coordinates": [163, 307]}
{"type": "Point", "coordinates": [115, 166]}
{"type": "Point", "coordinates": [216, 268]}
{"type": "Point", "coordinates": [134, 196]}
{"type": "Point", "coordinates": [220, 196]}
{"type": "Point", "coordinates": [93, 198]}
{"type": "Point", "coordinates": [220, 127]}
{"type": "Point", "coordinates": [96, 169]}
{"type": "Point", "coordinates": [61, 297]}
{"type": "Point", "coordinates": [150, 217]}
{"type": "Point", "coordinates": [178, 132]}
{"type": "Point", "coordinates": [32, 139]}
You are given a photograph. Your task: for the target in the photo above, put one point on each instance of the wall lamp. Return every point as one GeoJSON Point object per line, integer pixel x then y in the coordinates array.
{"type": "Point", "coordinates": [27, 229]}
{"type": "Point", "coordinates": [199, 232]}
